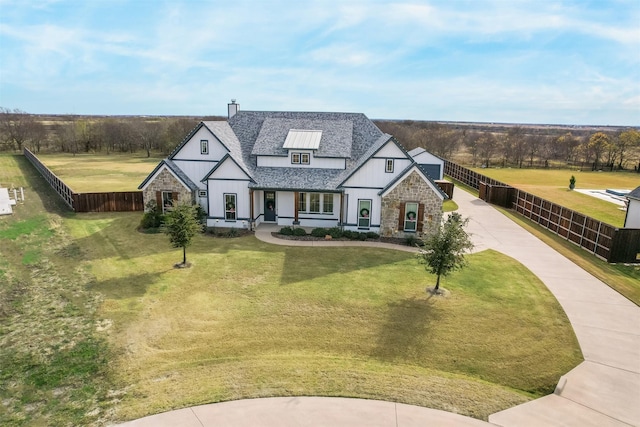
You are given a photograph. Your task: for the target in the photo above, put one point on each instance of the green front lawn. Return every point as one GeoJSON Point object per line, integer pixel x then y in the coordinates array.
{"type": "Point", "coordinates": [96, 326]}
{"type": "Point", "coordinates": [251, 319]}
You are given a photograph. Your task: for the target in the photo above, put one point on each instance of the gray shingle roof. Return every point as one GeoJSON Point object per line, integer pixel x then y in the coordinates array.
{"type": "Point", "coordinates": [303, 179]}
{"type": "Point", "coordinates": [264, 132]}
{"type": "Point", "coordinates": [634, 194]}
{"type": "Point", "coordinates": [336, 141]}
{"type": "Point", "coordinates": [225, 134]}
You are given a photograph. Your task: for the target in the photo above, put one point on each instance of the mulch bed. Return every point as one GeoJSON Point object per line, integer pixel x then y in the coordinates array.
{"type": "Point", "coordinates": [392, 240]}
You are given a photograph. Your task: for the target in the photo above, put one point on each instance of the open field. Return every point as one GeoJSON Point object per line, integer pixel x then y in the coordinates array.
{"type": "Point", "coordinates": [96, 326]}
{"type": "Point", "coordinates": [553, 185]}
{"type": "Point", "coordinates": [87, 173]}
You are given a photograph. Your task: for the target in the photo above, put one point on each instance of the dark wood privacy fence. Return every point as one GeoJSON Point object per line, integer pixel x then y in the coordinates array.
{"type": "Point", "coordinates": [121, 201]}
{"type": "Point", "coordinates": [56, 183]}
{"type": "Point", "coordinates": [601, 239]}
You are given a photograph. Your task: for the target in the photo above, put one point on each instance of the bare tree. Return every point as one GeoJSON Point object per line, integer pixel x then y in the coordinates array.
{"type": "Point", "coordinates": [18, 128]}
{"type": "Point", "coordinates": [626, 141]}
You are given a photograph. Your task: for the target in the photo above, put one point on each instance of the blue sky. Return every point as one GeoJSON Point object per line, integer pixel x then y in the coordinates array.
{"type": "Point", "coordinates": [540, 61]}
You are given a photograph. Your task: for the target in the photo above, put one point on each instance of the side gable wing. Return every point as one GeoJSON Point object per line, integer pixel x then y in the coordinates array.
{"type": "Point", "coordinates": [173, 170]}
{"type": "Point", "coordinates": [405, 173]}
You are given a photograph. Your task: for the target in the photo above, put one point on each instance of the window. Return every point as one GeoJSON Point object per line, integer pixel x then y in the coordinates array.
{"type": "Point", "coordinates": [302, 202]}
{"type": "Point", "coordinates": [388, 166]}
{"type": "Point", "coordinates": [230, 207]}
{"type": "Point", "coordinates": [167, 201]}
{"type": "Point", "coordinates": [314, 202]}
{"type": "Point", "coordinates": [327, 203]}
{"type": "Point", "coordinates": [300, 158]}
{"type": "Point", "coordinates": [410, 216]}
{"type": "Point", "coordinates": [204, 146]}
{"type": "Point", "coordinates": [364, 213]}
{"type": "Point", "coordinates": [202, 193]}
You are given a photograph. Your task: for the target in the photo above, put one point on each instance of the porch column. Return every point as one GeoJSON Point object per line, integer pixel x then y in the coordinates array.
{"type": "Point", "coordinates": [251, 216]}
{"type": "Point", "coordinates": [296, 196]}
{"type": "Point", "coordinates": [341, 208]}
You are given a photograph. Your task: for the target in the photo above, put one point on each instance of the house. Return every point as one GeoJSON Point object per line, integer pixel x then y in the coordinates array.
{"type": "Point", "coordinates": [632, 218]}
{"type": "Point", "coordinates": [298, 168]}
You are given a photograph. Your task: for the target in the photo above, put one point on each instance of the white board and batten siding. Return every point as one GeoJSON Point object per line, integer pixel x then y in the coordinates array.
{"type": "Point", "coordinates": [228, 178]}
{"type": "Point", "coordinates": [196, 170]}
{"type": "Point", "coordinates": [284, 207]}
{"type": "Point", "coordinates": [217, 203]}
{"type": "Point", "coordinates": [353, 195]}
{"type": "Point", "coordinates": [373, 172]}
{"type": "Point", "coordinates": [192, 149]}
{"type": "Point", "coordinates": [314, 162]}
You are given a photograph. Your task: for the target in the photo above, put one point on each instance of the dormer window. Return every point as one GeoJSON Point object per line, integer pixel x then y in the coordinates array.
{"type": "Point", "coordinates": [300, 158]}
{"type": "Point", "coordinates": [204, 146]}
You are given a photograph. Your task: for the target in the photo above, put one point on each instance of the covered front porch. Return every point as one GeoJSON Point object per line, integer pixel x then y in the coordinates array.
{"type": "Point", "coordinates": [299, 208]}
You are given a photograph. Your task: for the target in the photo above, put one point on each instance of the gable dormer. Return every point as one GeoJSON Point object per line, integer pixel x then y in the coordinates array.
{"type": "Point", "coordinates": [304, 143]}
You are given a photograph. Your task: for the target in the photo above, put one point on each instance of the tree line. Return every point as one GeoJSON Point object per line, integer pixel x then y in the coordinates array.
{"type": "Point", "coordinates": [92, 134]}
{"type": "Point", "coordinates": [521, 146]}
{"type": "Point", "coordinates": [478, 145]}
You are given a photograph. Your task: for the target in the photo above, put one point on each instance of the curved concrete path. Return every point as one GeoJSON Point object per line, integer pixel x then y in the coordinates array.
{"type": "Point", "coordinates": [604, 390]}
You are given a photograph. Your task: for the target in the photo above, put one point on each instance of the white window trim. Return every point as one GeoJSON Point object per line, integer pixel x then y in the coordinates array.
{"type": "Point", "coordinates": [303, 196]}
{"type": "Point", "coordinates": [204, 146]}
{"type": "Point", "coordinates": [165, 209]}
{"type": "Point", "coordinates": [300, 158]}
{"type": "Point", "coordinates": [406, 217]}
{"type": "Point", "coordinates": [233, 210]}
{"type": "Point", "coordinates": [387, 163]}
{"type": "Point", "coordinates": [368, 217]}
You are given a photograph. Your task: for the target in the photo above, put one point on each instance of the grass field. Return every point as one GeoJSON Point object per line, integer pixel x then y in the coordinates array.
{"type": "Point", "coordinates": [96, 326]}
{"type": "Point", "coordinates": [86, 173]}
{"type": "Point", "coordinates": [553, 185]}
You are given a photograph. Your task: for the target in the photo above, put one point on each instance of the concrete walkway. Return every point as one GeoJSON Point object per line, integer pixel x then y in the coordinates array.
{"type": "Point", "coordinates": [604, 390]}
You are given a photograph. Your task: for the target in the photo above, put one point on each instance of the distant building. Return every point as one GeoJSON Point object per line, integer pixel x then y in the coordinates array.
{"type": "Point", "coordinates": [632, 219]}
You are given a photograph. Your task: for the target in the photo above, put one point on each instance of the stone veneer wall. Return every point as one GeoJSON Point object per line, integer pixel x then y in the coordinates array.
{"type": "Point", "coordinates": [412, 189]}
{"type": "Point", "coordinates": [165, 181]}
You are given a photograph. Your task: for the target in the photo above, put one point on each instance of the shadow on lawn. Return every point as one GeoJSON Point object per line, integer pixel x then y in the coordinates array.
{"type": "Point", "coordinates": [123, 288]}
{"type": "Point", "coordinates": [408, 331]}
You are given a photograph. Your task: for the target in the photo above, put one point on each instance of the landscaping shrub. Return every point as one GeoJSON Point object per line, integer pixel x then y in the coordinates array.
{"type": "Point", "coordinates": [350, 234]}
{"type": "Point", "coordinates": [372, 235]}
{"type": "Point", "coordinates": [319, 232]}
{"type": "Point", "coordinates": [412, 240]}
{"type": "Point", "coordinates": [335, 232]}
{"type": "Point", "coordinates": [299, 232]}
{"type": "Point", "coordinates": [286, 231]}
{"type": "Point", "coordinates": [153, 217]}
{"type": "Point", "coordinates": [361, 236]}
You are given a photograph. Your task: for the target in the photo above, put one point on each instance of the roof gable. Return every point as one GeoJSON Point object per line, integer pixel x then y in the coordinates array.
{"type": "Point", "coordinates": [413, 168]}
{"type": "Point", "coordinates": [228, 167]}
{"type": "Point", "coordinates": [371, 152]}
{"type": "Point", "coordinates": [174, 170]}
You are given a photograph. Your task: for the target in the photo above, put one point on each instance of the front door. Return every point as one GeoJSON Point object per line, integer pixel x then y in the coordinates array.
{"type": "Point", "coordinates": [270, 206]}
